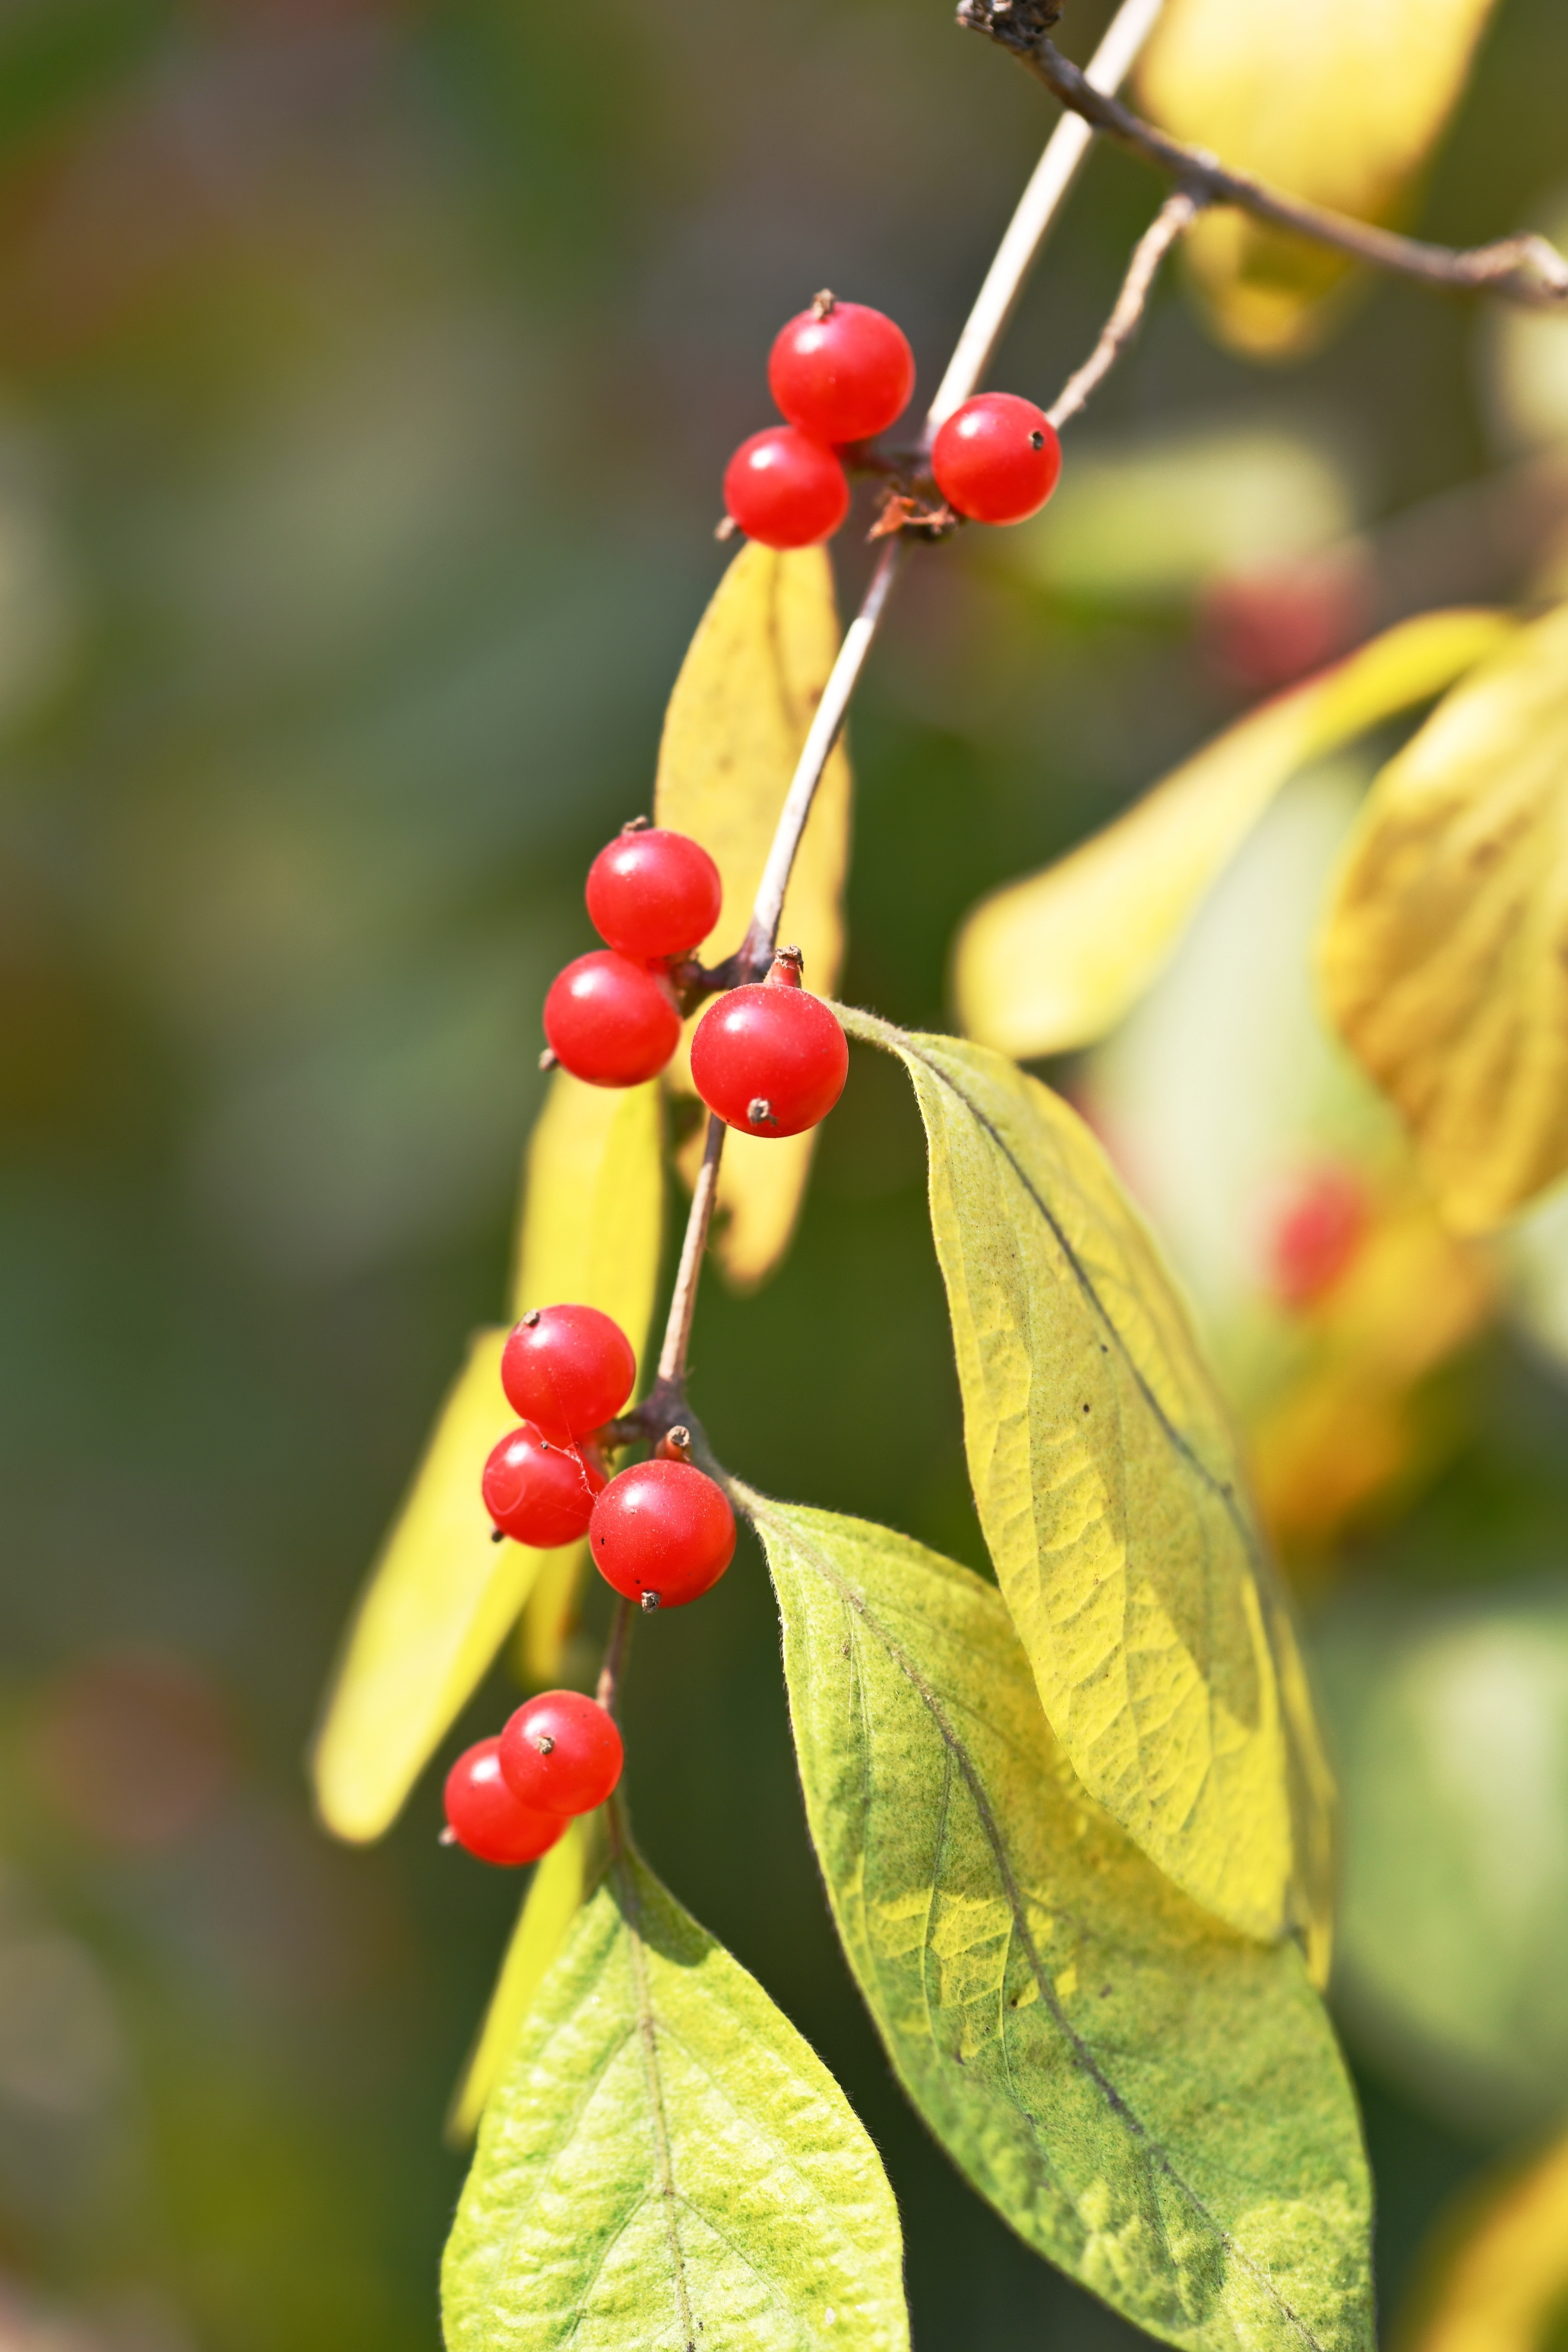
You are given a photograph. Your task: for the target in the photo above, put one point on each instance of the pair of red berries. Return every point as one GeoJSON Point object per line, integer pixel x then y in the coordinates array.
{"type": "Point", "coordinates": [662, 1532]}
{"type": "Point", "coordinates": [842, 373]}
{"type": "Point", "coordinates": [508, 1800]}
{"type": "Point", "coordinates": [768, 1058]}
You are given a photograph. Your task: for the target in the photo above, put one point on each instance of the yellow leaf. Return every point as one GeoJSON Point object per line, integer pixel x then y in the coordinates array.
{"type": "Point", "coordinates": [439, 1602]}
{"type": "Point", "coordinates": [1444, 958]}
{"type": "Point", "coordinates": [442, 1595]}
{"type": "Point", "coordinates": [592, 1205]}
{"type": "Point", "coordinates": [1497, 2278]}
{"type": "Point", "coordinates": [561, 1884]}
{"type": "Point", "coordinates": [1057, 960]}
{"type": "Point", "coordinates": [550, 1617]}
{"type": "Point", "coordinates": [1113, 1504]}
{"type": "Point", "coordinates": [1340, 107]}
{"type": "Point", "coordinates": [741, 706]}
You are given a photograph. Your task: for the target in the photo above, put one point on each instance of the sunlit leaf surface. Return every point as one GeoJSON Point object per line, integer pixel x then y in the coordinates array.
{"type": "Point", "coordinates": [1449, 1717]}
{"type": "Point", "coordinates": [1057, 960]}
{"type": "Point", "coordinates": [1112, 1501]}
{"type": "Point", "coordinates": [1496, 2279]}
{"type": "Point", "coordinates": [665, 2163]}
{"type": "Point", "coordinates": [1152, 2101]}
{"type": "Point", "coordinates": [443, 1594]}
{"type": "Point", "coordinates": [749, 684]}
{"type": "Point", "coordinates": [561, 1884]}
{"type": "Point", "coordinates": [1340, 106]}
{"type": "Point", "coordinates": [1445, 958]}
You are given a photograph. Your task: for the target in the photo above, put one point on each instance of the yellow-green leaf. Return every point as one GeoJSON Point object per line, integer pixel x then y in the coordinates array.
{"type": "Point", "coordinates": [1153, 2102]}
{"type": "Point", "coordinates": [561, 1885]}
{"type": "Point", "coordinates": [1340, 106]}
{"type": "Point", "coordinates": [1444, 958]}
{"type": "Point", "coordinates": [665, 2163]}
{"type": "Point", "coordinates": [550, 1617]}
{"type": "Point", "coordinates": [741, 706]}
{"type": "Point", "coordinates": [442, 1596]}
{"type": "Point", "coordinates": [1056, 961]}
{"type": "Point", "coordinates": [440, 1600]}
{"type": "Point", "coordinates": [1496, 2278]}
{"type": "Point", "coordinates": [1113, 1504]}
{"type": "Point", "coordinates": [592, 1211]}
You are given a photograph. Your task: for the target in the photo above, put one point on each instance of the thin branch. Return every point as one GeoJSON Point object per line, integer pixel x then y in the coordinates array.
{"type": "Point", "coordinates": [1038, 209]}
{"type": "Point", "coordinates": [1053, 176]}
{"type": "Point", "coordinates": [683, 1301]}
{"type": "Point", "coordinates": [1175, 217]}
{"type": "Point", "coordinates": [609, 1683]}
{"type": "Point", "coordinates": [1524, 269]}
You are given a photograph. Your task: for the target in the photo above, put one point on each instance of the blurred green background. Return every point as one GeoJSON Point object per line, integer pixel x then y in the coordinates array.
{"type": "Point", "coordinates": [366, 371]}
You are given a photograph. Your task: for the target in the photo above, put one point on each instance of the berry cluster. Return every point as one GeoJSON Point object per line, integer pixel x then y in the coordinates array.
{"type": "Point", "coordinates": [769, 1058]}
{"type": "Point", "coordinates": [841, 374]}
{"type": "Point", "coordinates": [661, 1534]}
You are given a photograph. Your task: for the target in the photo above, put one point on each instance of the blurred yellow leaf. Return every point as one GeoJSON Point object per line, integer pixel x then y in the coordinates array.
{"type": "Point", "coordinates": [443, 1595]}
{"type": "Point", "coordinates": [1113, 1504]}
{"type": "Point", "coordinates": [1057, 960]}
{"type": "Point", "coordinates": [438, 1607]}
{"type": "Point", "coordinates": [1445, 958]}
{"type": "Point", "coordinates": [1496, 2279]}
{"type": "Point", "coordinates": [563, 1880]}
{"type": "Point", "coordinates": [1351, 1425]}
{"type": "Point", "coordinates": [1340, 106]}
{"type": "Point", "coordinates": [742, 703]}
{"type": "Point", "coordinates": [550, 1617]}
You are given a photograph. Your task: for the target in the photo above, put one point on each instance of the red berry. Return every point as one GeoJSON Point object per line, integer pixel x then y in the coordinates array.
{"type": "Point", "coordinates": [996, 458]}
{"type": "Point", "coordinates": [769, 1059]}
{"type": "Point", "coordinates": [561, 1753]}
{"type": "Point", "coordinates": [540, 1493]}
{"type": "Point", "coordinates": [485, 1817]}
{"type": "Point", "coordinates": [653, 893]}
{"type": "Point", "coordinates": [611, 1022]}
{"type": "Point", "coordinates": [662, 1533]}
{"type": "Point", "coordinates": [841, 371]}
{"type": "Point", "coordinates": [567, 1369]}
{"type": "Point", "coordinates": [786, 490]}
{"type": "Point", "coordinates": [1314, 1223]}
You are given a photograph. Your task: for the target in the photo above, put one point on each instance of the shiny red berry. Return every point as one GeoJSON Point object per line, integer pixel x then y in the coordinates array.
{"type": "Point", "coordinates": [611, 1022]}
{"type": "Point", "coordinates": [996, 458]}
{"type": "Point", "coordinates": [567, 1369]}
{"type": "Point", "coordinates": [841, 371]}
{"type": "Point", "coordinates": [561, 1753]}
{"type": "Point", "coordinates": [654, 893]}
{"type": "Point", "coordinates": [486, 1818]}
{"type": "Point", "coordinates": [540, 1493]}
{"type": "Point", "coordinates": [769, 1059]}
{"type": "Point", "coordinates": [662, 1533]}
{"type": "Point", "coordinates": [784, 488]}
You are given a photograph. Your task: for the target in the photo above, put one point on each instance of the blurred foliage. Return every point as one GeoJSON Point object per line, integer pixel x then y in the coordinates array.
{"type": "Point", "coordinates": [368, 367]}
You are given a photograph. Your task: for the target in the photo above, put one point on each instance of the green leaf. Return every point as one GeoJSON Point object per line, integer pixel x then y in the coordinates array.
{"type": "Point", "coordinates": [666, 2163]}
{"type": "Point", "coordinates": [1153, 2102]}
{"type": "Point", "coordinates": [561, 1885]}
{"type": "Point", "coordinates": [739, 716]}
{"type": "Point", "coordinates": [1058, 959]}
{"type": "Point", "coordinates": [442, 1596]}
{"type": "Point", "coordinates": [1445, 957]}
{"type": "Point", "coordinates": [1113, 1504]}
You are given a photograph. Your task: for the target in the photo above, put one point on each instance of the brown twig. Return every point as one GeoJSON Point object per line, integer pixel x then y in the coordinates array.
{"type": "Point", "coordinates": [1175, 215]}
{"type": "Point", "coordinates": [607, 1689]}
{"type": "Point", "coordinates": [683, 1300]}
{"type": "Point", "coordinates": [1525, 269]}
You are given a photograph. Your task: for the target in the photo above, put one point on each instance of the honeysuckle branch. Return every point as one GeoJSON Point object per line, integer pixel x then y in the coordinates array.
{"type": "Point", "coordinates": [1175, 215]}
{"type": "Point", "coordinates": [1036, 210]}
{"type": "Point", "coordinates": [1524, 269]}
